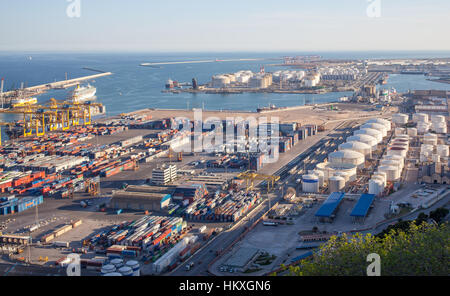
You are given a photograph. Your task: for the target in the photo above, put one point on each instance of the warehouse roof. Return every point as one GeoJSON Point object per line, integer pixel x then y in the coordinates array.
{"type": "Point", "coordinates": [363, 205]}
{"type": "Point", "coordinates": [330, 205]}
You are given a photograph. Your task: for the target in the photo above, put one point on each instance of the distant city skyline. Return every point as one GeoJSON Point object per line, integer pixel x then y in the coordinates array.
{"type": "Point", "coordinates": [202, 26]}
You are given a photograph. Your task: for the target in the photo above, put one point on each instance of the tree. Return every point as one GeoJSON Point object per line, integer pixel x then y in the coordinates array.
{"type": "Point", "coordinates": [422, 250]}
{"type": "Point", "coordinates": [439, 214]}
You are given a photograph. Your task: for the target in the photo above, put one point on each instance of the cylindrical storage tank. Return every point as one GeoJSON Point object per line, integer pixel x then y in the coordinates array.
{"type": "Point", "coordinates": [427, 148]}
{"type": "Point", "coordinates": [400, 131]}
{"type": "Point", "coordinates": [395, 157]}
{"type": "Point", "coordinates": [400, 119]}
{"type": "Point", "coordinates": [369, 140]}
{"type": "Point", "coordinates": [336, 184]}
{"type": "Point", "coordinates": [382, 121]}
{"type": "Point", "coordinates": [435, 158]}
{"type": "Point", "coordinates": [412, 131]}
{"type": "Point", "coordinates": [370, 132]}
{"type": "Point", "coordinates": [392, 172]}
{"type": "Point", "coordinates": [381, 175]}
{"type": "Point", "coordinates": [438, 118]}
{"type": "Point", "coordinates": [422, 127]}
{"type": "Point", "coordinates": [113, 274]}
{"type": "Point", "coordinates": [380, 178]}
{"type": "Point", "coordinates": [402, 137]}
{"type": "Point", "coordinates": [321, 175]}
{"type": "Point", "coordinates": [126, 271]}
{"type": "Point", "coordinates": [391, 162]}
{"type": "Point", "coordinates": [397, 151]}
{"type": "Point", "coordinates": [323, 167]}
{"type": "Point", "coordinates": [134, 265]}
{"type": "Point", "coordinates": [108, 268]}
{"type": "Point", "coordinates": [376, 126]}
{"type": "Point", "coordinates": [375, 187]}
{"type": "Point", "coordinates": [440, 127]}
{"type": "Point", "coordinates": [310, 183]}
{"type": "Point", "coordinates": [346, 157]}
{"type": "Point", "coordinates": [423, 157]}
{"type": "Point", "coordinates": [342, 174]}
{"type": "Point", "coordinates": [399, 144]}
{"type": "Point", "coordinates": [118, 263]}
{"type": "Point", "coordinates": [442, 150]}
{"type": "Point", "coordinates": [357, 146]}
{"type": "Point", "coordinates": [420, 117]}
{"type": "Point", "coordinates": [430, 139]}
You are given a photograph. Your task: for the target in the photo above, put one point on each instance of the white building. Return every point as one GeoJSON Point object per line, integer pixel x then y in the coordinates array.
{"type": "Point", "coordinates": [164, 175]}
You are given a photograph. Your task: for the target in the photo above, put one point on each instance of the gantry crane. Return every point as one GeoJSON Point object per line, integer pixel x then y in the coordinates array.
{"type": "Point", "coordinates": [251, 176]}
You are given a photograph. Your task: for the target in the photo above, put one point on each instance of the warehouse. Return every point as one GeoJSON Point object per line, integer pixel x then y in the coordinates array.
{"type": "Point", "coordinates": [242, 258]}
{"type": "Point", "coordinates": [140, 201]}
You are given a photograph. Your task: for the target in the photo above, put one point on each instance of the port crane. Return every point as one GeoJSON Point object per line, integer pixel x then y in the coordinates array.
{"type": "Point", "coordinates": [251, 176]}
{"type": "Point", "coordinates": [53, 116]}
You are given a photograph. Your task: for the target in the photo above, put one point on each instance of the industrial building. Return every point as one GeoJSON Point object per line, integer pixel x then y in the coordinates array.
{"type": "Point", "coordinates": [361, 209]}
{"type": "Point", "coordinates": [260, 80]}
{"type": "Point", "coordinates": [164, 174]}
{"type": "Point", "coordinates": [242, 258]}
{"type": "Point", "coordinates": [141, 198]}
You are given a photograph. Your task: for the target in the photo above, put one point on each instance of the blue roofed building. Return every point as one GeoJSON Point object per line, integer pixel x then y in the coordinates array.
{"type": "Point", "coordinates": [362, 207]}
{"type": "Point", "coordinates": [327, 211]}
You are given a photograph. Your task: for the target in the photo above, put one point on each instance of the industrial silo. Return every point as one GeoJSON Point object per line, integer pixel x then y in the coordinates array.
{"type": "Point", "coordinates": [401, 151]}
{"type": "Point", "coordinates": [420, 117]}
{"type": "Point", "coordinates": [430, 139]}
{"type": "Point", "coordinates": [442, 150]}
{"type": "Point", "coordinates": [412, 131]}
{"type": "Point", "coordinates": [375, 187]}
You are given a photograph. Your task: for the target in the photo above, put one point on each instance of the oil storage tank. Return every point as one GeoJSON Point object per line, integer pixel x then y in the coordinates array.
{"type": "Point", "coordinates": [400, 119]}
{"type": "Point", "coordinates": [369, 140]}
{"type": "Point", "coordinates": [336, 184]}
{"type": "Point", "coordinates": [357, 146]}
{"type": "Point", "coordinates": [376, 126]}
{"type": "Point", "coordinates": [310, 183]}
{"type": "Point", "coordinates": [392, 172]}
{"type": "Point", "coordinates": [382, 121]}
{"type": "Point", "coordinates": [371, 132]}
{"type": "Point", "coordinates": [346, 157]}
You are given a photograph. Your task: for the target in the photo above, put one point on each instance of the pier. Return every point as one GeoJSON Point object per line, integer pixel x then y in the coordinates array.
{"type": "Point", "coordinates": [42, 88]}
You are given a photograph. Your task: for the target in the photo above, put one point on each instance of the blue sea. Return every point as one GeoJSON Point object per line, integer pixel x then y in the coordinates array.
{"type": "Point", "coordinates": [133, 87]}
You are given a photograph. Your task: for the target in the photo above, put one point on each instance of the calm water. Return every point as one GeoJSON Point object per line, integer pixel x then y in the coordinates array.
{"type": "Point", "coordinates": [133, 87]}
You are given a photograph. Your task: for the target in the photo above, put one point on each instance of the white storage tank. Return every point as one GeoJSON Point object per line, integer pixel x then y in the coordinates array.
{"type": "Point", "coordinates": [376, 126]}
{"type": "Point", "coordinates": [435, 158]}
{"type": "Point", "coordinates": [113, 274]}
{"type": "Point", "coordinates": [400, 119]}
{"type": "Point", "coordinates": [442, 150]}
{"type": "Point", "coordinates": [424, 156]}
{"type": "Point", "coordinates": [357, 146]}
{"type": "Point", "coordinates": [375, 187]}
{"type": "Point", "coordinates": [336, 184]}
{"type": "Point", "coordinates": [381, 176]}
{"type": "Point", "coordinates": [400, 131]}
{"type": "Point", "coordinates": [439, 127]}
{"type": "Point", "coordinates": [430, 139]}
{"type": "Point", "coordinates": [342, 174]}
{"type": "Point", "coordinates": [438, 118]}
{"type": "Point", "coordinates": [321, 175]}
{"type": "Point", "coordinates": [369, 140]}
{"type": "Point", "coordinates": [310, 183]}
{"type": "Point", "coordinates": [391, 162]}
{"type": "Point", "coordinates": [323, 168]}
{"type": "Point", "coordinates": [108, 268]}
{"type": "Point", "coordinates": [370, 132]}
{"type": "Point", "coordinates": [392, 172]}
{"type": "Point", "coordinates": [134, 265]}
{"type": "Point", "coordinates": [118, 263]}
{"type": "Point", "coordinates": [346, 157]}
{"type": "Point", "coordinates": [382, 121]}
{"type": "Point", "coordinates": [420, 117]}
{"type": "Point", "coordinates": [395, 157]}
{"type": "Point", "coordinates": [126, 271]}
{"type": "Point", "coordinates": [412, 131]}
{"type": "Point", "coordinates": [397, 151]}
{"type": "Point", "coordinates": [422, 127]}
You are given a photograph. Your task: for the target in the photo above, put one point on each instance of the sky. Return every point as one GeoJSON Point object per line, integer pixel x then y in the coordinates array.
{"type": "Point", "coordinates": [225, 25]}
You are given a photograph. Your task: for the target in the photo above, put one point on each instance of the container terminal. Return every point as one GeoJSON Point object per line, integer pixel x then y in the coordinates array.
{"type": "Point", "coordinates": [117, 191]}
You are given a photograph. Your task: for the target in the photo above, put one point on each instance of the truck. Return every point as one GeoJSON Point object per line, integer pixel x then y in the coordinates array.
{"type": "Point", "coordinates": [61, 244]}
